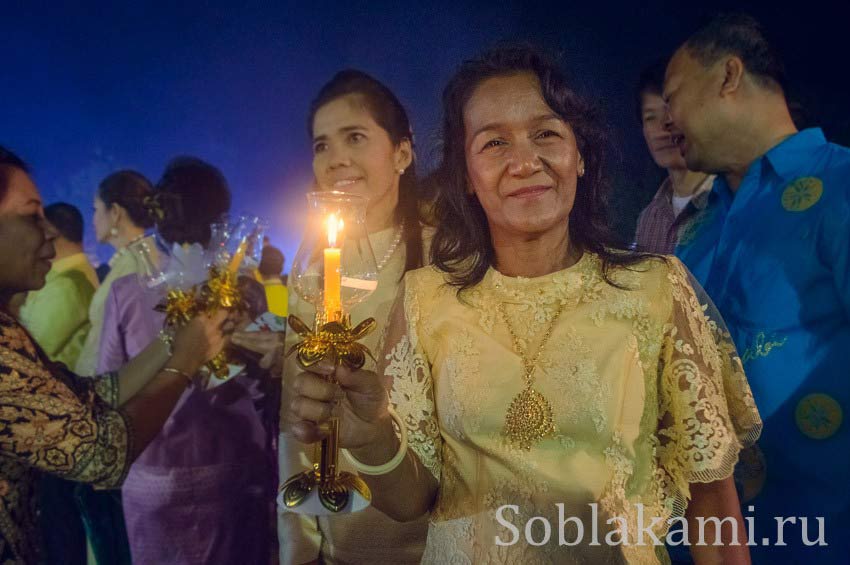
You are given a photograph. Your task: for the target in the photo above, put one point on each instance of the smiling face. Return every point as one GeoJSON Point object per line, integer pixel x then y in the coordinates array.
{"type": "Point", "coordinates": [26, 240]}
{"type": "Point", "coordinates": [522, 159]}
{"type": "Point", "coordinates": [352, 153]}
{"type": "Point", "coordinates": [697, 120]}
{"type": "Point", "coordinates": [659, 141]}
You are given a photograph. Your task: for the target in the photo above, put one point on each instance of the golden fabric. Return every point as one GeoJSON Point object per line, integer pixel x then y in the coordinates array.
{"type": "Point", "coordinates": [368, 536]}
{"type": "Point", "coordinates": [647, 390]}
{"type": "Point", "coordinates": [53, 422]}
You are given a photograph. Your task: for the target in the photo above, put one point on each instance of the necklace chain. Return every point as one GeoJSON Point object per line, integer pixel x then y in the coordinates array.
{"type": "Point", "coordinates": [529, 364]}
{"type": "Point", "coordinates": [391, 250]}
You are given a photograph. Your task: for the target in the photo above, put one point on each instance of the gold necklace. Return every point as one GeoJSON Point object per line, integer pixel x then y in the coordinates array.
{"type": "Point", "coordinates": [530, 417]}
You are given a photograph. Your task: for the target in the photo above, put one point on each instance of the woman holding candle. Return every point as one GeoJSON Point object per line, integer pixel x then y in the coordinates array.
{"type": "Point", "coordinates": [540, 374]}
{"type": "Point", "coordinates": [363, 144]}
{"type": "Point", "coordinates": [203, 491]}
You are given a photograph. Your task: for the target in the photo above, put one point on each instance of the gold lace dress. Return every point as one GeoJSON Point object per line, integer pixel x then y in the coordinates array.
{"type": "Point", "coordinates": [647, 391]}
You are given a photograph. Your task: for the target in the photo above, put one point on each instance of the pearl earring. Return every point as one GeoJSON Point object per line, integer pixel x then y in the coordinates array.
{"type": "Point", "coordinates": [113, 231]}
{"type": "Point", "coordinates": [400, 171]}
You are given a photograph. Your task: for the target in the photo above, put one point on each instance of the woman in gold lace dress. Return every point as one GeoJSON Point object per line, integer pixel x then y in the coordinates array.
{"type": "Point", "coordinates": [563, 401]}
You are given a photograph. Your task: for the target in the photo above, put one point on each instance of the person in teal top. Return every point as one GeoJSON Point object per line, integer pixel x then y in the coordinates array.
{"type": "Point", "coordinates": [772, 249]}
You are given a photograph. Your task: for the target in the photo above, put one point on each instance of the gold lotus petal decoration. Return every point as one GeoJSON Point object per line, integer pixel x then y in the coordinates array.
{"type": "Point", "coordinates": [336, 341]}
{"type": "Point", "coordinates": [221, 290]}
{"type": "Point", "coordinates": [179, 307]}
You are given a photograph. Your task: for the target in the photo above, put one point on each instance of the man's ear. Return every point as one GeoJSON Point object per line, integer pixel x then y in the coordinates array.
{"type": "Point", "coordinates": [733, 74]}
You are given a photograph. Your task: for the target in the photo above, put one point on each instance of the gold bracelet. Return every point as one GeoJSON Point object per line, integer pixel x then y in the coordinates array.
{"type": "Point", "coordinates": [176, 371]}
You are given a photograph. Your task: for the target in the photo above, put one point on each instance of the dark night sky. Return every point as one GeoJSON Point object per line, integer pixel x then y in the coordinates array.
{"type": "Point", "coordinates": [89, 87]}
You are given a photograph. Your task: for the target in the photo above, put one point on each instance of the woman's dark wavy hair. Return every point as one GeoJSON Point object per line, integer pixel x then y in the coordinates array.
{"type": "Point", "coordinates": [462, 246]}
{"type": "Point", "coordinates": [129, 189]}
{"type": "Point", "coordinates": [192, 194]}
{"type": "Point", "coordinates": [388, 113]}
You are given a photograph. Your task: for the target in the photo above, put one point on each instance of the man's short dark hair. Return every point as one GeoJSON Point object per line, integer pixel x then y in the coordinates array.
{"type": "Point", "coordinates": [271, 262]}
{"type": "Point", "coordinates": [67, 220]}
{"type": "Point", "coordinates": [8, 161]}
{"type": "Point", "coordinates": [651, 81]}
{"type": "Point", "coordinates": [743, 36]}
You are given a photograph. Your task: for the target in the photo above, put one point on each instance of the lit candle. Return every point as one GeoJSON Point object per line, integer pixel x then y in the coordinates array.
{"type": "Point", "coordinates": [333, 277]}
{"type": "Point", "coordinates": [238, 256]}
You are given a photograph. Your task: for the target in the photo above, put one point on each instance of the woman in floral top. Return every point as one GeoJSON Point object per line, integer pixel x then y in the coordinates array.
{"type": "Point", "coordinates": [52, 421]}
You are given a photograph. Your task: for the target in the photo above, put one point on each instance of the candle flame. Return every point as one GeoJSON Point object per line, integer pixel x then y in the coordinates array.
{"type": "Point", "coordinates": [334, 227]}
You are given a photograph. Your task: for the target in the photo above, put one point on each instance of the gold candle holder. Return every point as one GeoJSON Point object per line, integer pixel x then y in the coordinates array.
{"type": "Point", "coordinates": [337, 342]}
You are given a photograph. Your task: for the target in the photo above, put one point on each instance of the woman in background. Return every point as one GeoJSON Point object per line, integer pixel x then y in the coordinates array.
{"type": "Point", "coordinates": [120, 219]}
{"type": "Point", "coordinates": [203, 491]}
{"type": "Point", "coordinates": [362, 143]}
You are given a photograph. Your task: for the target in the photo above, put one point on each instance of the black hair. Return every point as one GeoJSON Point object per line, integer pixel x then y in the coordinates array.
{"type": "Point", "coordinates": [67, 220]}
{"type": "Point", "coordinates": [743, 36]}
{"type": "Point", "coordinates": [8, 161]}
{"type": "Point", "coordinates": [387, 111]}
{"type": "Point", "coordinates": [462, 246]}
{"type": "Point", "coordinates": [271, 262]}
{"type": "Point", "coordinates": [650, 81]}
{"type": "Point", "coordinates": [129, 189]}
{"type": "Point", "coordinates": [191, 195]}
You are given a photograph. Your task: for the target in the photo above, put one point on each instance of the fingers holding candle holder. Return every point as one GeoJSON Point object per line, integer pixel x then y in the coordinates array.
{"type": "Point", "coordinates": [334, 269]}
{"type": "Point", "coordinates": [197, 280]}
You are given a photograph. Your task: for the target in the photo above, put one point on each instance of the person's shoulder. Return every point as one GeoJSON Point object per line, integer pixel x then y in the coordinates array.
{"type": "Point", "coordinates": [7, 320]}
{"type": "Point", "coordinates": [424, 277]}
{"type": "Point", "coordinates": [821, 184]}
{"type": "Point", "coordinates": [74, 280]}
{"type": "Point", "coordinates": [126, 285]}
{"type": "Point", "coordinates": [645, 271]}
{"type": "Point", "coordinates": [430, 285]}
{"type": "Point", "coordinates": [837, 166]}
{"type": "Point", "coordinates": [839, 151]}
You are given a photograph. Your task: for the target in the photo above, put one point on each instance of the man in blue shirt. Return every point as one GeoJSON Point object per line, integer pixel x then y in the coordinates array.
{"type": "Point", "coordinates": [772, 248]}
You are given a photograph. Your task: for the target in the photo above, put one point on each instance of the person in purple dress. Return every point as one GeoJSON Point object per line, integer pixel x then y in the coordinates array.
{"type": "Point", "coordinates": [203, 491]}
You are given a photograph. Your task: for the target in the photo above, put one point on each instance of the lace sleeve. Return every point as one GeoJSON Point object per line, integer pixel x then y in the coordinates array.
{"type": "Point", "coordinates": [707, 412]}
{"type": "Point", "coordinates": [404, 363]}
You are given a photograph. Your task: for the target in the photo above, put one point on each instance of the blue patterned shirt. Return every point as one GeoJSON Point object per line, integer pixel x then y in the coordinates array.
{"type": "Point", "coordinates": [775, 258]}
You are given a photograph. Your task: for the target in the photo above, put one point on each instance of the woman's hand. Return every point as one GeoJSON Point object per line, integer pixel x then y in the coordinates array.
{"type": "Point", "coordinates": [198, 341]}
{"type": "Point", "coordinates": [269, 345]}
{"type": "Point", "coordinates": [358, 398]}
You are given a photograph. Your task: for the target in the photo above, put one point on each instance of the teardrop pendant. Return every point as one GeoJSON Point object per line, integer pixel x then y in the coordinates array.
{"type": "Point", "coordinates": [529, 419]}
